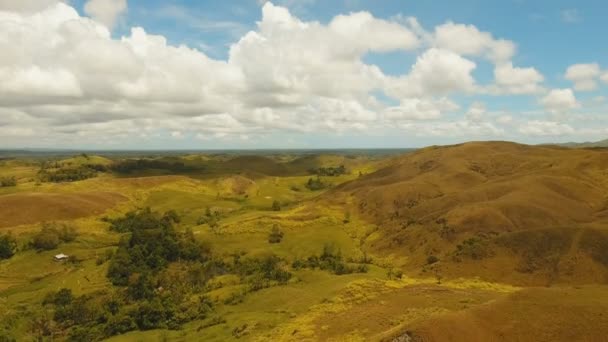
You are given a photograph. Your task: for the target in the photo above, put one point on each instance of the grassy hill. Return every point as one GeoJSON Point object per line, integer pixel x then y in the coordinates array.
{"type": "Point", "coordinates": [502, 211]}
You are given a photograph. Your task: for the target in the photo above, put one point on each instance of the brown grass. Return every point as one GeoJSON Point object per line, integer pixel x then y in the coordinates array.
{"type": "Point", "coordinates": [535, 315]}
{"type": "Point", "coordinates": [28, 208]}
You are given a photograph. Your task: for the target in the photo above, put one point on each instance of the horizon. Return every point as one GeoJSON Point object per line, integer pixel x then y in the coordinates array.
{"type": "Point", "coordinates": [299, 74]}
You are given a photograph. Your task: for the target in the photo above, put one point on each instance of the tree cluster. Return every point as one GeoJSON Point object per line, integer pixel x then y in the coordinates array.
{"type": "Point", "coordinates": [52, 234]}
{"type": "Point", "coordinates": [6, 182]}
{"type": "Point", "coordinates": [329, 260]}
{"type": "Point", "coordinates": [330, 171]}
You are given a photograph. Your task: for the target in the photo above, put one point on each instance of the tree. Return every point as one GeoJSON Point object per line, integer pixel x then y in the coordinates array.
{"type": "Point", "coordinates": [7, 182]}
{"type": "Point", "coordinates": [276, 206]}
{"type": "Point", "coordinates": [46, 239]}
{"type": "Point", "coordinates": [8, 246]}
{"type": "Point", "coordinates": [276, 235]}
{"type": "Point", "coordinates": [346, 217]}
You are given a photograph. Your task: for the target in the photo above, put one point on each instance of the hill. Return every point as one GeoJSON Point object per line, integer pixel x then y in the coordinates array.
{"type": "Point", "coordinates": [502, 211]}
{"type": "Point", "coordinates": [588, 144]}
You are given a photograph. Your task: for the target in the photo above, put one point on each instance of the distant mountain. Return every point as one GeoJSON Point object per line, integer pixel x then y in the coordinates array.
{"type": "Point", "coordinates": [601, 143]}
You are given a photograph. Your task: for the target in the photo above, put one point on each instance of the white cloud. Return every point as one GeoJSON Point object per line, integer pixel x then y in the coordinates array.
{"type": "Point", "coordinates": [106, 12]}
{"type": "Point", "coordinates": [584, 76]}
{"type": "Point", "coordinates": [559, 101]}
{"type": "Point", "coordinates": [26, 6]}
{"type": "Point", "coordinates": [69, 78]}
{"type": "Point", "coordinates": [463, 128]}
{"type": "Point", "coordinates": [476, 112]}
{"type": "Point", "coordinates": [513, 80]}
{"type": "Point", "coordinates": [604, 77]}
{"type": "Point", "coordinates": [419, 109]}
{"type": "Point", "coordinates": [545, 128]}
{"type": "Point", "coordinates": [468, 40]}
{"type": "Point", "coordinates": [436, 72]}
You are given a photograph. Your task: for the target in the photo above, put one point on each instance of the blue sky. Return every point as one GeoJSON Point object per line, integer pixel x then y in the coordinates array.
{"type": "Point", "coordinates": [305, 73]}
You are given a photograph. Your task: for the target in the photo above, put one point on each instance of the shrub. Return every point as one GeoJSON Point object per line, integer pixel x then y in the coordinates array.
{"type": "Point", "coordinates": [52, 234]}
{"type": "Point", "coordinates": [276, 206]}
{"type": "Point", "coordinates": [276, 235]}
{"type": "Point", "coordinates": [315, 184]}
{"type": "Point", "coordinates": [8, 246]}
{"type": "Point", "coordinates": [431, 259]}
{"type": "Point", "coordinates": [6, 182]}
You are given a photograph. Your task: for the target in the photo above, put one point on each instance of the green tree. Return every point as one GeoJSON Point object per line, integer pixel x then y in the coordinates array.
{"type": "Point", "coordinates": [276, 235]}
{"type": "Point", "coordinates": [8, 246]}
{"type": "Point", "coordinates": [276, 206]}
{"type": "Point", "coordinates": [47, 238]}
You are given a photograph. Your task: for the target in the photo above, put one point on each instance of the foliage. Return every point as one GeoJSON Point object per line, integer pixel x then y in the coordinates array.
{"type": "Point", "coordinates": [8, 246]}
{"type": "Point", "coordinates": [135, 165]}
{"type": "Point", "coordinates": [474, 248]}
{"type": "Point", "coordinates": [431, 259]}
{"type": "Point", "coordinates": [52, 234]}
{"type": "Point", "coordinates": [6, 182]}
{"type": "Point", "coordinates": [210, 218]}
{"type": "Point", "coordinates": [330, 260]}
{"type": "Point", "coordinates": [152, 245]}
{"type": "Point", "coordinates": [276, 206]}
{"type": "Point", "coordinates": [276, 235]}
{"type": "Point", "coordinates": [330, 171]}
{"type": "Point", "coordinates": [68, 174]}
{"type": "Point", "coordinates": [315, 184]}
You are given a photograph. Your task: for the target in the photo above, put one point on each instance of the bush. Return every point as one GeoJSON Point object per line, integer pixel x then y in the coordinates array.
{"type": "Point", "coordinates": [276, 206]}
{"type": "Point", "coordinates": [431, 259]}
{"type": "Point", "coordinates": [276, 235]}
{"type": "Point", "coordinates": [330, 260]}
{"type": "Point", "coordinates": [315, 184]}
{"type": "Point", "coordinates": [6, 182]}
{"type": "Point", "coordinates": [52, 234]}
{"type": "Point", "coordinates": [8, 246]}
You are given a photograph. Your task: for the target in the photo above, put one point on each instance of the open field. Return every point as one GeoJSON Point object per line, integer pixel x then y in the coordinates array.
{"type": "Point", "coordinates": [443, 244]}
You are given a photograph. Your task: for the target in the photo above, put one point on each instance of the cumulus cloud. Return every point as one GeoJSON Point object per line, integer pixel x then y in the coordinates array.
{"type": "Point", "coordinates": [468, 40]}
{"type": "Point", "coordinates": [105, 11]}
{"type": "Point", "coordinates": [559, 101]}
{"type": "Point", "coordinates": [513, 80]}
{"type": "Point", "coordinates": [584, 76]}
{"type": "Point", "coordinates": [436, 72]}
{"type": "Point", "coordinates": [70, 78]}
{"type": "Point", "coordinates": [26, 6]}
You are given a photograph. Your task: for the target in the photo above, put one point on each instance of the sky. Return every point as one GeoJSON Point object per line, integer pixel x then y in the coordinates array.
{"type": "Point", "coordinates": [185, 74]}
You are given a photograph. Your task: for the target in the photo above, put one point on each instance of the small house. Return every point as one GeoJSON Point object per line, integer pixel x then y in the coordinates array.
{"type": "Point", "coordinates": [61, 257]}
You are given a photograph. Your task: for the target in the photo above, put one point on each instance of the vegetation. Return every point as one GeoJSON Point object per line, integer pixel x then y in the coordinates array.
{"type": "Point", "coordinates": [210, 218]}
{"type": "Point", "coordinates": [52, 234]}
{"type": "Point", "coordinates": [276, 235]}
{"type": "Point", "coordinates": [137, 165]}
{"type": "Point", "coordinates": [67, 174]}
{"type": "Point", "coordinates": [6, 182]}
{"type": "Point", "coordinates": [8, 246]}
{"type": "Point", "coordinates": [329, 171]}
{"type": "Point", "coordinates": [276, 206]}
{"type": "Point", "coordinates": [330, 260]}
{"type": "Point", "coordinates": [315, 184]}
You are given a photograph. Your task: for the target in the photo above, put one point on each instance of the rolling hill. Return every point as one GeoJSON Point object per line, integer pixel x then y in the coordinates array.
{"type": "Point", "coordinates": [501, 211]}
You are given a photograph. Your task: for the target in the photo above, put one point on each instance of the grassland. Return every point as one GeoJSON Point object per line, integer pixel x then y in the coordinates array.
{"type": "Point", "coordinates": [515, 232]}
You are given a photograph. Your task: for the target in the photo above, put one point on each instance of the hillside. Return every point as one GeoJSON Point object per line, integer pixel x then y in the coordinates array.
{"type": "Point", "coordinates": [502, 211]}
